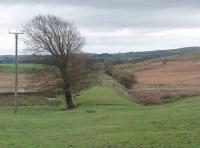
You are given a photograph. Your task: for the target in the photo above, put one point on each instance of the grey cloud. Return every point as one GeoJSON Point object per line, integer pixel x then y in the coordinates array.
{"type": "Point", "coordinates": [103, 19]}
{"type": "Point", "coordinates": [168, 18]}
{"type": "Point", "coordinates": [113, 14]}
{"type": "Point", "coordinates": [133, 4]}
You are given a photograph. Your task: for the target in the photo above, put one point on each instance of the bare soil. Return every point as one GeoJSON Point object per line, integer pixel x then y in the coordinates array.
{"type": "Point", "coordinates": [7, 82]}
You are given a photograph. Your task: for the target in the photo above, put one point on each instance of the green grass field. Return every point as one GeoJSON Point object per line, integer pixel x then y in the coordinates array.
{"type": "Point", "coordinates": [23, 68]}
{"type": "Point", "coordinates": [103, 119]}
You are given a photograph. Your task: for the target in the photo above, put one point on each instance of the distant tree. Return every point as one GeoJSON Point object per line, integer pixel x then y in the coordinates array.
{"type": "Point", "coordinates": [50, 35]}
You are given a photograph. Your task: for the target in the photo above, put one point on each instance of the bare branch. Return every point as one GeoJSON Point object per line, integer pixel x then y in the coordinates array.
{"type": "Point", "coordinates": [48, 34]}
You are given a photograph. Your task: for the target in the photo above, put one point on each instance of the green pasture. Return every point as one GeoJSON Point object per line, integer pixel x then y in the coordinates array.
{"type": "Point", "coordinates": [103, 119]}
{"type": "Point", "coordinates": [23, 68]}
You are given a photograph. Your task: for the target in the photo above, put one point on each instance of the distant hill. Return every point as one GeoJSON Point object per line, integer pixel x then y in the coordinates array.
{"type": "Point", "coordinates": [9, 59]}
{"type": "Point", "coordinates": [129, 56]}
{"type": "Point", "coordinates": [145, 55]}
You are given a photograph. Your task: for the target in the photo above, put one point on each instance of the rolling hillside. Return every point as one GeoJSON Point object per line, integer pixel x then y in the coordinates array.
{"type": "Point", "coordinates": [166, 79]}
{"type": "Point", "coordinates": [106, 119]}
{"type": "Point", "coordinates": [129, 56]}
{"type": "Point", "coordinates": [146, 55]}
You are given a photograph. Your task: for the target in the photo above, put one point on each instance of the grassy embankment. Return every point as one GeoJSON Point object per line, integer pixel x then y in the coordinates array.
{"type": "Point", "coordinates": [103, 119]}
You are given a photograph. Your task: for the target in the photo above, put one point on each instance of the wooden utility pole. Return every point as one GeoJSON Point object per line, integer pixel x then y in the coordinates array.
{"type": "Point", "coordinates": [16, 67]}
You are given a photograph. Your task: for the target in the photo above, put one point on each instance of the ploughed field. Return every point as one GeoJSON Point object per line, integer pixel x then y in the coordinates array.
{"type": "Point", "coordinates": [7, 77]}
{"type": "Point", "coordinates": [157, 82]}
{"type": "Point", "coordinates": [7, 82]}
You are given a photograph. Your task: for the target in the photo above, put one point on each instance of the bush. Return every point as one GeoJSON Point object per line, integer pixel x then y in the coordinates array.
{"type": "Point", "coordinates": [108, 68]}
{"type": "Point", "coordinates": [127, 79]}
{"type": "Point", "coordinates": [109, 71]}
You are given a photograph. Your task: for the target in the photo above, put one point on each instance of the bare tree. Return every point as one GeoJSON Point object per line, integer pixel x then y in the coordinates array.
{"type": "Point", "coordinates": [48, 34]}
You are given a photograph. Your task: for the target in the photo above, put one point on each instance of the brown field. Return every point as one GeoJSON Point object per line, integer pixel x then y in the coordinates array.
{"type": "Point", "coordinates": [7, 82]}
{"type": "Point", "coordinates": [158, 81]}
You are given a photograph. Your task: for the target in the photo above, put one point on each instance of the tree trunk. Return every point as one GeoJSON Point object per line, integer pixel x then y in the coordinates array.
{"type": "Point", "coordinates": [68, 99]}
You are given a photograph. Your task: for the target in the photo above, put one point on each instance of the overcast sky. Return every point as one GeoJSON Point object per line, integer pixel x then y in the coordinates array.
{"type": "Point", "coordinates": [111, 25]}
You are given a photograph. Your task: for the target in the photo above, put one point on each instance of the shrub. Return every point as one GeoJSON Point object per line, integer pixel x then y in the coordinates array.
{"type": "Point", "coordinates": [109, 71]}
{"type": "Point", "coordinates": [127, 79]}
{"type": "Point", "coordinates": [108, 68]}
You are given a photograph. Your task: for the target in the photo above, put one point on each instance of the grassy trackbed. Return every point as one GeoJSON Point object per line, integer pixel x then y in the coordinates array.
{"type": "Point", "coordinates": [103, 119]}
